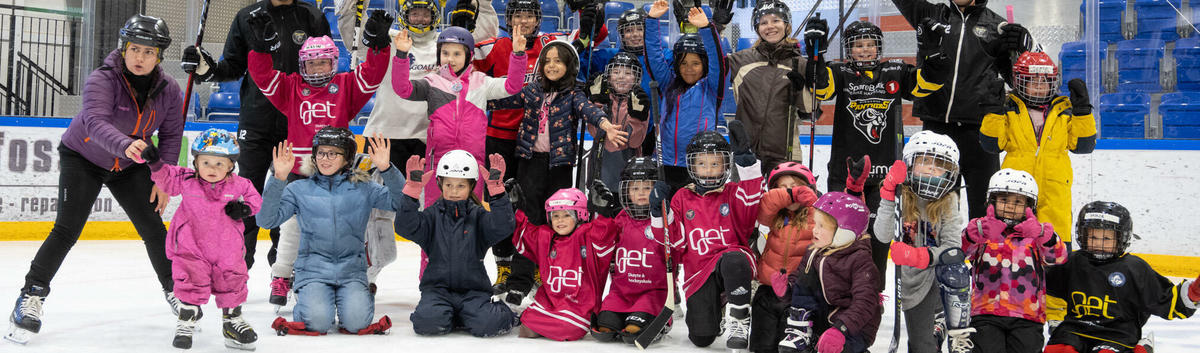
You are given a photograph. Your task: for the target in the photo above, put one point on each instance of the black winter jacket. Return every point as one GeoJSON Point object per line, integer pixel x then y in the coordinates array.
{"type": "Point", "coordinates": [456, 235]}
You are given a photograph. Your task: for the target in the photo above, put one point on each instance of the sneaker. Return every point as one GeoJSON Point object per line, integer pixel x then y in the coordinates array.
{"type": "Point", "coordinates": [186, 326]}
{"type": "Point", "coordinates": [737, 326]}
{"type": "Point", "coordinates": [238, 334]}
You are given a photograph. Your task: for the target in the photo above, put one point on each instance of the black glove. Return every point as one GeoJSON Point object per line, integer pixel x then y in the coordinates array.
{"type": "Point", "coordinates": [603, 201]}
{"type": "Point", "coordinates": [576, 5]}
{"type": "Point", "coordinates": [930, 33]}
{"type": "Point", "coordinates": [1013, 39]}
{"type": "Point", "coordinates": [1081, 104]}
{"type": "Point", "coordinates": [658, 196]}
{"type": "Point", "coordinates": [797, 80]}
{"type": "Point", "coordinates": [262, 31]}
{"type": "Point", "coordinates": [740, 142]}
{"type": "Point", "coordinates": [722, 11]}
{"type": "Point", "coordinates": [642, 100]}
{"type": "Point", "coordinates": [591, 18]}
{"type": "Point", "coordinates": [515, 195]}
{"type": "Point", "coordinates": [237, 210]}
{"type": "Point", "coordinates": [681, 9]}
{"type": "Point", "coordinates": [815, 36]}
{"type": "Point", "coordinates": [150, 155]}
{"type": "Point", "coordinates": [464, 15]}
{"type": "Point", "coordinates": [197, 61]}
{"type": "Point", "coordinates": [375, 34]}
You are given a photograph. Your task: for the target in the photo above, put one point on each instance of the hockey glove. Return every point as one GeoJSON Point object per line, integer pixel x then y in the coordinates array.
{"type": "Point", "coordinates": [416, 177]}
{"type": "Point", "coordinates": [740, 141]}
{"type": "Point", "coordinates": [857, 173]}
{"type": "Point", "coordinates": [681, 8]}
{"type": "Point", "coordinates": [464, 15]}
{"type": "Point", "coordinates": [895, 176]}
{"type": "Point", "coordinates": [722, 12]}
{"type": "Point", "coordinates": [237, 210]}
{"type": "Point", "coordinates": [1081, 104]}
{"type": "Point", "coordinates": [1194, 290]}
{"type": "Point", "coordinates": [603, 201]}
{"type": "Point", "coordinates": [657, 196]}
{"type": "Point", "coordinates": [930, 33]}
{"type": "Point", "coordinates": [831, 341]}
{"type": "Point", "coordinates": [1013, 39]}
{"type": "Point", "coordinates": [495, 181]}
{"type": "Point", "coordinates": [262, 29]}
{"type": "Point", "coordinates": [590, 21]}
{"type": "Point", "coordinates": [515, 196]}
{"type": "Point", "coordinates": [576, 5]}
{"type": "Point", "coordinates": [815, 37]}
{"type": "Point", "coordinates": [907, 255]}
{"type": "Point", "coordinates": [991, 95]}
{"type": "Point", "coordinates": [197, 61]}
{"type": "Point", "coordinates": [375, 34]}
{"type": "Point", "coordinates": [640, 99]}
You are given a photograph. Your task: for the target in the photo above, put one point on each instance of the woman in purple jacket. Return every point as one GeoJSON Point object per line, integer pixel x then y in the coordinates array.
{"type": "Point", "coordinates": [124, 103]}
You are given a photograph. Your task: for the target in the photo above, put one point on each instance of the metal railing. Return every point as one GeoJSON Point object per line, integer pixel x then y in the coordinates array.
{"type": "Point", "coordinates": [39, 59]}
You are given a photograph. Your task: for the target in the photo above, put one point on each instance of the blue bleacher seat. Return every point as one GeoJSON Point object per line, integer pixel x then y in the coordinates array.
{"type": "Point", "coordinates": [1187, 64]}
{"type": "Point", "coordinates": [1123, 115]}
{"type": "Point", "coordinates": [196, 110]}
{"type": "Point", "coordinates": [361, 118]}
{"type": "Point", "coordinates": [1111, 12]}
{"type": "Point", "coordinates": [1156, 19]}
{"type": "Point", "coordinates": [745, 43]}
{"type": "Point", "coordinates": [447, 8]}
{"type": "Point", "coordinates": [551, 16]}
{"type": "Point", "coordinates": [500, 6]}
{"type": "Point", "coordinates": [343, 63]}
{"type": "Point", "coordinates": [331, 17]}
{"type": "Point", "coordinates": [1138, 65]}
{"type": "Point", "coordinates": [230, 86]}
{"type": "Point", "coordinates": [1073, 59]}
{"type": "Point", "coordinates": [1180, 115]}
{"type": "Point", "coordinates": [612, 12]}
{"type": "Point", "coordinates": [224, 106]}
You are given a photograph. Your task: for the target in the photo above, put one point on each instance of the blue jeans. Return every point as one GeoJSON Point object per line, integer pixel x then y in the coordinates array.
{"type": "Point", "coordinates": [316, 303]}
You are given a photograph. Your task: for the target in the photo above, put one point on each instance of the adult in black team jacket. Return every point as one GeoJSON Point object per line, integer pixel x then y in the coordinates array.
{"type": "Point", "coordinates": [260, 126]}
{"type": "Point", "coordinates": [978, 60]}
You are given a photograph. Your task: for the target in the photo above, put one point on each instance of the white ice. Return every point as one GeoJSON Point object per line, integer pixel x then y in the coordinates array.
{"type": "Point", "coordinates": [105, 299]}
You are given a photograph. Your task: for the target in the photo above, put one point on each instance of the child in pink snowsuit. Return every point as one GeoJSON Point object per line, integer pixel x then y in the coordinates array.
{"type": "Point", "coordinates": [205, 242]}
{"type": "Point", "coordinates": [573, 259]}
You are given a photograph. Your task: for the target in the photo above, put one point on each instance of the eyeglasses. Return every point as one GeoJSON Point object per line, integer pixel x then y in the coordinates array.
{"type": "Point", "coordinates": [327, 155]}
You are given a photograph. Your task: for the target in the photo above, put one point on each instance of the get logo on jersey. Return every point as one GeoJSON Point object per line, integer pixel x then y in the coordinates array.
{"type": "Point", "coordinates": [703, 241]}
{"type": "Point", "coordinates": [870, 116]}
{"type": "Point", "coordinates": [631, 258]}
{"type": "Point", "coordinates": [561, 278]}
{"type": "Point", "coordinates": [310, 110]}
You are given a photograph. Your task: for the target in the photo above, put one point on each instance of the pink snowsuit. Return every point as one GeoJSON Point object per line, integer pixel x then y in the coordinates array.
{"type": "Point", "coordinates": [574, 270]}
{"type": "Point", "coordinates": [205, 246]}
{"type": "Point", "coordinates": [640, 281]}
{"type": "Point", "coordinates": [457, 120]}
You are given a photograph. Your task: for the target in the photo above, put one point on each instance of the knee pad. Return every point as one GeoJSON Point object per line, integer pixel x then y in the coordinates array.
{"type": "Point", "coordinates": [954, 282]}
{"type": "Point", "coordinates": [701, 341]}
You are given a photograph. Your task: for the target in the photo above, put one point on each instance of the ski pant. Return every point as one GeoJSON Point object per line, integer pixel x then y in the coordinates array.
{"type": "Point", "coordinates": [538, 180]}
{"type": "Point", "coordinates": [975, 164]}
{"type": "Point", "coordinates": [769, 317]}
{"type": "Point", "coordinates": [317, 303]}
{"type": "Point", "coordinates": [79, 183]}
{"type": "Point", "coordinates": [254, 161]}
{"type": "Point", "coordinates": [222, 275]}
{"type": "Point", "coordinates": [1000, 334]}
{"type": "Point", "coordinates": [440, 311]}
{"type": "Point", "coordinates": [879, 250]}
{"type": "Point", "coordinates": [729, 282]}
{"type": "Point", "coordinates": [919, 323]}
{"type": "Point", "coordinates": [617, 321]}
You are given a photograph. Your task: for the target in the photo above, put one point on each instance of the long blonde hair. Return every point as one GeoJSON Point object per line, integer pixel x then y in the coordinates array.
{"type": "Point", "coordinates": [936, 210]}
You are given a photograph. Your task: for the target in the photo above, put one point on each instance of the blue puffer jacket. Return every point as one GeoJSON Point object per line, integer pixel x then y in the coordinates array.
{"type": "Point", "coordinates": [333, 212]}
{"type": "Point", "coordinates": [456, 235]}
{"type": "Point", "coordinates": [695, 109]}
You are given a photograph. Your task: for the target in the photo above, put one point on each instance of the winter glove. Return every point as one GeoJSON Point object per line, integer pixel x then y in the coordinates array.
{"type": "Point", "coordinates": [796, 79]}
{"type": "Point", "coordinates": [643, 99]}
{"type": "Point", "coordinates": [658, 196]}
{"type": "Point", "coordinates": [262, 30]}
{"type": "Point", "coordinates": [1194, 290]}
{"type": "Point", "coordinates": [416, 177]}
{"type": "Point", "coordinates": [1081, 104]}
{"type": "Point", "coordinates": [1012, 39]}
{"type": "Point", "coordinates": [603, 201]}
{"type": "Point", "coordinates": [803, 195]}
{"type": "Point", "coordinates": [590, 20]}
{"type": "Point", "coordinates": [375, 34]}
{"type": "Point", "coordinates": [815, 36]}
{"type": "Point", "coordinates": [197, 61]}
{"type": "Point", "coordinates": [907, 255]}
{"type": "Point", "coordinates": [237, 210]}
{"type": "Point", "coordinates": [1032, 228]}
{"type": "Point", "coordinates": [495, 181]}
{"type": "Point", "coordinates": [992, 227]}
{"type": "Point", "coordinates": [930, 33]}
{"type": "Point", "coordinates": [515, 196]}
{"type": "Point", "coordinates": [722, 11]}
{"type": "Point", "coordinates": [150, 156]}
{"type": "Point", "coordinates": [831, 341]}
{"type": "Point", "coordinates": [895, 176]}
{"type": "Point", "coordinates": [464, 15]}
{"type": "Point", "coordinates": [740, 141]}
{"type": "Point", "coordinates": [857, 173]}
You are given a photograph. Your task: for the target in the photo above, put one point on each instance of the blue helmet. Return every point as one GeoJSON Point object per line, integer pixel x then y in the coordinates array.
{"type": "Point", "coordinates": [216, 142]}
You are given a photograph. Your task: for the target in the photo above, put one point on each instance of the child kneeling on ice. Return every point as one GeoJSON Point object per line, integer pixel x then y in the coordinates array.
{"type": "Point", "coordinates": [456, 232]}
{"type": "Point", "coordinates": [333, 207]}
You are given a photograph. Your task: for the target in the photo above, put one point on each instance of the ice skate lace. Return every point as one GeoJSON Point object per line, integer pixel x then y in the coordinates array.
{"type": "Point", "coordinates": [736, 328]}
{"type": "Point", "coordinates": [31, 306]}
{"type": "Point", "coordinates": [279, 287]}
{"type": "Point", "coordinates": [185, 328]}
{"type": "Point", "coordinates": [960, 340]}
{"type": "Point", "coordinates": [238, 324]}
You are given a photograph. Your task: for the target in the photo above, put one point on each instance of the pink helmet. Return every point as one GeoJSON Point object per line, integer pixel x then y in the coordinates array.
{"type": "Point", "coordinates": [850, 212]}
{"type": "Point", "coordinates": [315, 48]}
{"type": "Point", "coordinates": [569, 199]}
{"type": "Point", "coordinates": [791, 168]}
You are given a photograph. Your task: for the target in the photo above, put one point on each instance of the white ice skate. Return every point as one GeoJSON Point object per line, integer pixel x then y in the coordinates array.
{"type": "Point", "coordinates": [26, 316]}
{"type": "Point", "coordinates": [737, 327]}
{"type": "Point", "coordinates": [18, 335]}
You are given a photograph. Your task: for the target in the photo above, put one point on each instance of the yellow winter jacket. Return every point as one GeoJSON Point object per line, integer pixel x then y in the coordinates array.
{"type": "Point", "coordinates": [1046, 159]}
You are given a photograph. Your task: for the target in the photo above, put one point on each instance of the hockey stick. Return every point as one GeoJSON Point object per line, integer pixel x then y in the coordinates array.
{"type": "Point", "coordinates": [580, 183]}
{"type": "Point", "coordinates": [655, 327]}
{"type": "Point", "coordinates": [187, 97]}
{"type": "Point", "coordinates": [358, 14]}
{"type": "Point", "coordinates": [895, 344]}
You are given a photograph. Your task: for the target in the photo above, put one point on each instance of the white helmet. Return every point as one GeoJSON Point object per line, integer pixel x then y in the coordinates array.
{"type": "Point", "coordinates": [1014, 181]}
{"type": "Point", "coordinates": [458, 164]}
{"type": "Point", "coordinates": [942, 150]}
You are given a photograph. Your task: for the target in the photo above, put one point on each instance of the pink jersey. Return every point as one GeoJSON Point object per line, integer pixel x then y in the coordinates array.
{"type": "Point", "coordinates": [639, 283]}
{"type": "Point", "coordinates": [702, 227]}
{"type": "Point", "coordinates": [309, 108]}
{"type": "Point", "coordinates": [574, 270]}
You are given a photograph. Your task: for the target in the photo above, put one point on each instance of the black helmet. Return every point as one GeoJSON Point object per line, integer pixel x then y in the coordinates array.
{"type": "Point", "coordinates": [633, 20]}
{"type": "Point", "coordinates": [709, 142]}
{"type": "Point", "coordinates": [862, 30]}
{"type": "Point", "coordinates": [689, 43]}
{"type": "Point", "coordinates": [623, 60]}
{"type": "Point", "coordinates": [145, 30]}
{"type": "Point", "coordinates": [522, 5]}
{"type": "Point", "coordinates": [638, 169]}
{"type": "Point", "coordinates": [1104, 215]}
{"type": "Point", "coordinates": [771, 7]}
{"type": "Point", "coordinates": [339, 137]}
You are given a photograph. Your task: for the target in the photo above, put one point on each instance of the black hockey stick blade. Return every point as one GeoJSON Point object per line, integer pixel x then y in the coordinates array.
{"type": "Point", "coordinates": [655, 327]}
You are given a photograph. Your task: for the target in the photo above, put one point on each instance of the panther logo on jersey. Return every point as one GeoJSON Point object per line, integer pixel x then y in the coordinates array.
{"type": "Point", "coordinates": [870, 116]}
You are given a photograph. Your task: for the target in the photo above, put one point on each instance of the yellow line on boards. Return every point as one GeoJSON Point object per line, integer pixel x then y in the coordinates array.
{"type": "Point", "coordinates": [93, 230]}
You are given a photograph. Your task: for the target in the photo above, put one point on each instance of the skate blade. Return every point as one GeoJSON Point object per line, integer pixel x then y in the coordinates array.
{"type": "Point", "coordinates": [278, 309]}
{"type": "Point", "coordinates": [232, 343]}
{"type": "Point", "coordinates": [18, 335]}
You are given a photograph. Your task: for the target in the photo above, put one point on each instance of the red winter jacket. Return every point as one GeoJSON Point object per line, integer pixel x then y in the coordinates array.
{"type": "Point", "coordinates": [785, 246]}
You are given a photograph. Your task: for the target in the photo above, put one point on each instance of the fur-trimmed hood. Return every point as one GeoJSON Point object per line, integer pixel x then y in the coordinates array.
{"type": "Point", "coordinates": [308, 168]}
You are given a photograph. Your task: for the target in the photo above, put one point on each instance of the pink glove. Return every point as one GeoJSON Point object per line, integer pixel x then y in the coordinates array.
{"type": "Point", "coordinates": [1194, 290]}
{"type": "Point", "coordinates": [894, 177]}
{"type": "Point", "coordinates": [857, 173]}
{"type": "Point", "coordinates": [803, 195]}
{"type": "Point", "coordinates": [1030, 228]}
{"type": "Point", "coordinates": [495, 177]}
{"type": "Point", "coordinates": [907, 255]}
{"type": "Point", "coordinates": [416, 177]}
{"type": "Point", "coordinates": [831, 341]}
{"type": "Point", "coordinates": [993, 228]}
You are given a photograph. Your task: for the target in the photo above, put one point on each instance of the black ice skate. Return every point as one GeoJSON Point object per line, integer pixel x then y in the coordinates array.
{"type": "Point", "coordinates": [280, 289]}
{"type": "Point", "coordinates": [503, 270]}
{"type": "Point", "coordinates": [188, 316]}
{"type": "Point", "coordinates": [238, 334]}
{"type": "Point", "coordinates": [173, 302]}
{"type": "Point", "coordinates": [737, 327]}
{"type": "Point", "coordinates": [26, 317]}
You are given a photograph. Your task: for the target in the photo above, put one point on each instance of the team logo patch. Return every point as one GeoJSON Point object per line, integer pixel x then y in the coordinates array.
{"type": "Point", "coordinates": [333, 88]}
{"type": "Point", "coordinates": [980, 31]}
{"type": "Point", "coordinates": [583, 251]}
{"type": "Point", "coordinates": [649, 234]}
{"type": "Point", "coordinates": [690, 214]}
{"type": "Point", "coordinates": [724, 209]}
{"type": "Point", "coordinates": [305, 91]}
{"type": "Point", "coordinates": [553, 254]}
{"type": "Point", "coordinates": [870, 116]}
{"type": "Point", "coordinates": [1116, 279]}
{"type": "Point", "coordinates": [299, 37]}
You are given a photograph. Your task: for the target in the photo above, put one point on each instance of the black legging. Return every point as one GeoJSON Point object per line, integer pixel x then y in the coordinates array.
{"type": "Point", "coordinates": [538, 180]}
{"type": "Point", "coordinates": [79, 183]}
{"type": "Point", "coordinates": [253, 163]}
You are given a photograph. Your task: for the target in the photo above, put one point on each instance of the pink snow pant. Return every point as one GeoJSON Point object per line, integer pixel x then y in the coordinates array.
{"type": "Point", "coordinates": [222, 275]}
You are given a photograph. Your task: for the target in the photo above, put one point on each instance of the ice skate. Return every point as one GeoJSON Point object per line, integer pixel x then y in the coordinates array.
{"type": "Point", "coordinates": [503, 270]}
{"type": "Point", "coordinates": [26, 318]}
{"type": "Point", "coordinates": [1146, 344]}
{"type": "Point", "coordinates": [173, 302]}
{"type": "Point", "coordinates": [186, 326]}
{"type": "Point", "coordinates": [960, 340]}
{"type": "Point", "coordinates": [737, 327]}
{"type": "Point", "coordinates": [281, 288]}
{"type": "Point", "coordinates": [238, 334]}
{"type": "Point", "coordinates": [798, 334]}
